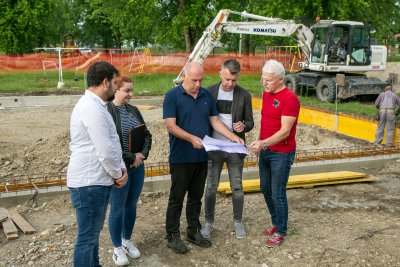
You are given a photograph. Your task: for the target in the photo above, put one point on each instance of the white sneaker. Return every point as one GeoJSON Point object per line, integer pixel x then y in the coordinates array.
{"type": "Point", "coordinates": [119, 257]}
{"type": "Point", "coordinates": [130, 249]}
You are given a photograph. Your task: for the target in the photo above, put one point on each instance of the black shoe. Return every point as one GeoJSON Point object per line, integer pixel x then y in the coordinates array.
{"type": "Point", "coordinates": [198, 240]}
{"type": "Point", "coordinates": [176, 244]}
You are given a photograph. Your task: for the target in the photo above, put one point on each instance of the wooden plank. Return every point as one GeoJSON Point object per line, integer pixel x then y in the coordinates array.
{"type": "Point", "coordinates": [325, 176]}
{"type": "Point", "coordinates": [3, 214]}
{"type": "Point", "coordinates": [21, 222]}
{"type": "Point", "coordinates": [303, 179]}
{"type": "Point", "coordinates": [12, 236]}
{"type": "Point", "coordinates": [254, 184]}
{"type": "Point", "coordinates": [9, 227]}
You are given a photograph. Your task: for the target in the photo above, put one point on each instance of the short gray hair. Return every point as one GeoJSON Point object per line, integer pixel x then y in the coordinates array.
{"type": "Point", "coordinates": [273, 67]}
{"type": "Point", "coordinates": [232, 65]}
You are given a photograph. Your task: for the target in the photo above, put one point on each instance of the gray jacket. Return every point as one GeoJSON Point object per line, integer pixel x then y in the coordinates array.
{"type": "Point", "coordinates": [242, 109]}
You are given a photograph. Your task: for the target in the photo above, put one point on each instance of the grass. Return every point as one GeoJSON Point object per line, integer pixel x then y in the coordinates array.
{"type": "Point", "coordinates": [353, 106]}
{"type": "Point", "coordinates": [157, 84]}
{"type": "Point", "coordinates": [393, 58]}
{"type": "Point", "coordinates": [144, 84]}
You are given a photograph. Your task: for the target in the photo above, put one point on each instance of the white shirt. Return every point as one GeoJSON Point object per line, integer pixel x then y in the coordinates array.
{"type": "Point", "coordinates": [226, 118]}
{"type": "Point", "coordinates": [96, 155]}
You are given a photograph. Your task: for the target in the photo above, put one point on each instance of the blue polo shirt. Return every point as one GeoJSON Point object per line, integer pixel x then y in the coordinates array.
{"type": "Point", "coordinates": [193, 116]}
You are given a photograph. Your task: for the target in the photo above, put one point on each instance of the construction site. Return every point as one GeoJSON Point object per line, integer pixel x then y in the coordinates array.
{"type": "Point", "coordinates": [343, 198]}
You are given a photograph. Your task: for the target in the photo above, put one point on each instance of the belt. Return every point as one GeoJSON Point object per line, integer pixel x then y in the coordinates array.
{"type": "Point", "coordinates": [386, 108]}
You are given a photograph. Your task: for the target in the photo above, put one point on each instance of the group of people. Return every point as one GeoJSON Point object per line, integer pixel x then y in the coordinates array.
{"type": "Point", "coordinates": [103, 168]}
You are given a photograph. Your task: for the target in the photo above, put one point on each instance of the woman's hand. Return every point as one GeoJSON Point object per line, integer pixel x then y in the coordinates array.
{"type": "Point", "coordinates": [138, 160]}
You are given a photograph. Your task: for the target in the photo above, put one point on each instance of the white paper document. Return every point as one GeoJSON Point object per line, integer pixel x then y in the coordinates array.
{"type": "Point", "coordinates": [212, 144]}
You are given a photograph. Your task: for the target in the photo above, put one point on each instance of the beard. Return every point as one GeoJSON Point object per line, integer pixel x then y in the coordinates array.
{"type": "Point", "coordinates": [109, 90]}
{"type": "Point", "coordinates": [111, 98]}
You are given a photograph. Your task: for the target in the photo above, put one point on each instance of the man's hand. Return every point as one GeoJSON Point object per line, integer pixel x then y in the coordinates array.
{"type": "Point", "coordinates": [138, 160]}
{"type": "Point", "coordinates": [237, 139]}
{"type": "Point", "coordinates": [238, 126]}
{"type": "Point", "coordinates": [196, 142]}
{"type": "Point", "coordinates": [256, 147]}
{"type": "Point", "coordinates": [123, 180]}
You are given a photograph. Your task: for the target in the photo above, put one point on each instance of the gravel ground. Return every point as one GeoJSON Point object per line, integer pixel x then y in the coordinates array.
{"type": "Point", "coordinates": [342, 225]}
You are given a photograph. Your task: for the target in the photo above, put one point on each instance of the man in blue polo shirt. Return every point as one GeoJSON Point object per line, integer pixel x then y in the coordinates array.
{"type": "Point", "coordinates": [189, 112]}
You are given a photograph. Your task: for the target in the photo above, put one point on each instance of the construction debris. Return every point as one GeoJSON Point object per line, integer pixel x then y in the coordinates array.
{"type": "Point", "coordinates": [3, 214]}
{"type": "Point", "coordinates": [8, 218]}
{"type": "Point", "coordinates": [305, 181]}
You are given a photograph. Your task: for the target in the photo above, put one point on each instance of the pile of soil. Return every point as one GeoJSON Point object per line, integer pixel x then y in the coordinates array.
{"type": "Point", "coordinates": [36, 141]}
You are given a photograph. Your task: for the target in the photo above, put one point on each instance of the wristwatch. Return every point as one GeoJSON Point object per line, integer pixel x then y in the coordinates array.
{"type": "Point", "coordinates": [264, 143]}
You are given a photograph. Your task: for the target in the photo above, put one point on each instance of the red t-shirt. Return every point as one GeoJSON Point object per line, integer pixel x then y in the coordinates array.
{"type": "Point", "coordinates": [276, 105]}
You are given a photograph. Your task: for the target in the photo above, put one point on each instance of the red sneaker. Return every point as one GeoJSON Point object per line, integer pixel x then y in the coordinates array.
{"type": "Point", "coordinates": [269, 231]}
{"type": "Point", "coordinates": [275, 240]}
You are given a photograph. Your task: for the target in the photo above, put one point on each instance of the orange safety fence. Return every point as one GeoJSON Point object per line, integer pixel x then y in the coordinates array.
{"type": "Point", "coordinates": [141, 62]}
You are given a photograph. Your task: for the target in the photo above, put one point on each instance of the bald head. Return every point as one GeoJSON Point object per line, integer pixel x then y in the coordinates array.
{"type": "Point", "coordinates": [192, 77]}
{"type": "Point", "coordinates": [193, 67]}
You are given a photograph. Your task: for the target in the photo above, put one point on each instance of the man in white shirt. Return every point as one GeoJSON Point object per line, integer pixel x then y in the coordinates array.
{"type": "Point", "coordinates": [96, 161]}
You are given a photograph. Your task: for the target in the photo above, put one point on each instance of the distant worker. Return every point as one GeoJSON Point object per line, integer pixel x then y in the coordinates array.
{"type": "Point", "coordinates": [96, 161]}
{"type": "Point", "coordinates": [235, 111]}
{"type": "Point", "coordinates": [386, 103]}
{"type": "Point", "coordinates": [189, 112]}
{"type": "Point", "coordinates": [123, 201]}
{"type": "Point", "coordinates": [276, 147]}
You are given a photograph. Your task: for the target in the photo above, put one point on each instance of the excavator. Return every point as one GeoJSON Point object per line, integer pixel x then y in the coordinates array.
{"type": "Point", "coordinates": [336, 53]}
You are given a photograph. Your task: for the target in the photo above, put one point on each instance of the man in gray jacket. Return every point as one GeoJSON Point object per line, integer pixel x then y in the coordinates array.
{"type": "Point", "coordinates": [235, 111]}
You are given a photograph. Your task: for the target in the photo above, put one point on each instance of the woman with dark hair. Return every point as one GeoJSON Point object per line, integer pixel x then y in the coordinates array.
{"type": "Point", "coordinates": [123, 200]}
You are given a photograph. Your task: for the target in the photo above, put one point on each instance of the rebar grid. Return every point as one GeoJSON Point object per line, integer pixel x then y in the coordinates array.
{"type": "Point", "coordinates": [15, 183]}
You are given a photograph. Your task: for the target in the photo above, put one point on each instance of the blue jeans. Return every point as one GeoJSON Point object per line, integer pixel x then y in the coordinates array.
{"type": "Point", "coordinates": [234, 162]}
{"type": "Point", "coordinates": [274, 174]}
{"type": "Point", "coordinates": [122, 218]}
{"type": "Point", "coordinates": [90, 203]}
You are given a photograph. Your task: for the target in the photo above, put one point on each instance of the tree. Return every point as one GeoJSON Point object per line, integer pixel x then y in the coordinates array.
{"type": "Point", "coordinates": [21, 24]}
{"type": "Point", "coordinates": [182, 22]}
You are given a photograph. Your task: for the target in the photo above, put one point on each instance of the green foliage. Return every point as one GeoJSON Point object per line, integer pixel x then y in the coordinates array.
{"type": "Point", "coordinates": [26, 24]}
{"type": "Point", "coordinates": [21, 24]}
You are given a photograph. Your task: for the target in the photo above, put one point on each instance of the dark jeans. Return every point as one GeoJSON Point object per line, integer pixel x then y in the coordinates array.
{"type": "Point", "coordinates": [234, 162]}
{"type": "Point", "coordinates": [274, 174]}
{"type": "Point", "coordinates": [190, 178]}
{"type": "Point", "coordinates": [122, 218]}
{"type": "Point", "coordinates": [90, 203]}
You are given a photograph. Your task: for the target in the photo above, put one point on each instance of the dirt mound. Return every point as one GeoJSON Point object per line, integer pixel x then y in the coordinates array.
{"type": "Point", "coordinates": [51, 154]}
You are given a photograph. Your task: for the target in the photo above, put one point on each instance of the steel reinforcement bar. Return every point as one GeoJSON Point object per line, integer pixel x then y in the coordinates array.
{"type": "Point", "coordinates": [17, 183]}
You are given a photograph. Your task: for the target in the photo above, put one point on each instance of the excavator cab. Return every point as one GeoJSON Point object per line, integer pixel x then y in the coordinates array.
{"type": "Point", "coordinates": [340, 43]}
